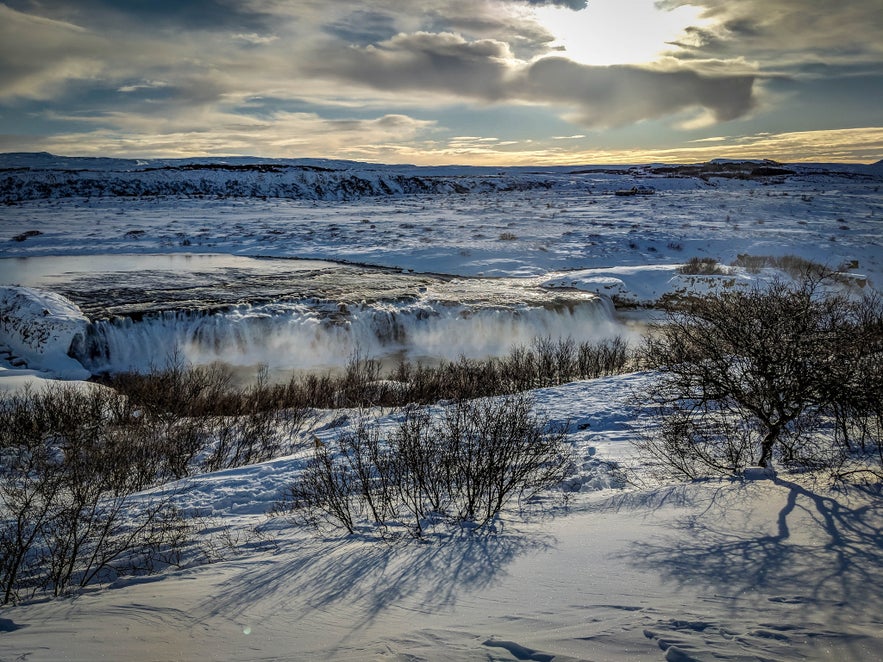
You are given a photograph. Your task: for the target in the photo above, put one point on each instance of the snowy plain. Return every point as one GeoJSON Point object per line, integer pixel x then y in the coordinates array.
{"type": "Point", "coordinates": [782, 569]}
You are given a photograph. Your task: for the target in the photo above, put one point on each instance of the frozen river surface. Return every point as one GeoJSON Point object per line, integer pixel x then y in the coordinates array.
{"type": "Point", "coordinates": [146, 309]}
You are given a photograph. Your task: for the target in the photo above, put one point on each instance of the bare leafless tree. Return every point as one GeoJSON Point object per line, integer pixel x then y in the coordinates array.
{"type": "Point", "coordinates": [744, 377]}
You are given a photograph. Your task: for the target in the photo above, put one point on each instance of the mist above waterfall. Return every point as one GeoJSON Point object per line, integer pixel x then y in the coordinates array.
{"type": "Point", "coordinates": [304, 336]}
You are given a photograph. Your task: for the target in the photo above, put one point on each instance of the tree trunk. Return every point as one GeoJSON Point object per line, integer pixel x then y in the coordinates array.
{"type": "Point", "coordinates": [766, 447]}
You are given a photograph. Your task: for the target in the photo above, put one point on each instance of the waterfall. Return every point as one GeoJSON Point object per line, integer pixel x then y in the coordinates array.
{"type": "Point", "coordinates": [309, 335]}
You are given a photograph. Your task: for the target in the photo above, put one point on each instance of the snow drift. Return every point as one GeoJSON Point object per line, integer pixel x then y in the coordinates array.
{"type": "Point", "coordinates": [39, 327]}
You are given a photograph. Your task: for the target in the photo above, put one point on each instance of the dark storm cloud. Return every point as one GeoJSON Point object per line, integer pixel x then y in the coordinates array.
{"type": "Point", "coordinates": [571, 4]}
{"type": "Point", "coordinates": [363, 27]}
{"type": "Point", "coordinates": [178, 14]}
{"type": "Point", "coordinates": [422, 61]}
{"type": "Point", "coordinates": [471, 18]}
{"type": "Point", "coordinates": [743, 28]}
{"type": "Point", "coordinates": [380, 20]}
{"type": "Point", "coordinates": [526, 38]}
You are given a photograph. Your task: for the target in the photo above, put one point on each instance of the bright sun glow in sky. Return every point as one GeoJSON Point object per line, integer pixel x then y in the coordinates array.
{"type": "Point", "coordinates": [616, 31]}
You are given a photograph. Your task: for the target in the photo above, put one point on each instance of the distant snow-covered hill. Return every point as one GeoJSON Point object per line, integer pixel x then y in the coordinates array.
{"type": "Point", "coordinates": [34, 176]}
{"type": "Point", "coordinates": [226, 179]}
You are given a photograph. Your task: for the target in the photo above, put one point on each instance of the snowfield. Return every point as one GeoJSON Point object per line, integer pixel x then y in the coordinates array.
{"type": "Point", "coordinates": [780, 567]}
{"type": "Point", "coordinates": [768, 570]}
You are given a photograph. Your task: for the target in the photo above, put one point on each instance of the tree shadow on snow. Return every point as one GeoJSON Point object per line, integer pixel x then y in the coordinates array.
{"type": "Point", "coordinates": [374, 575]}
{"type": "Point", "coordinates": [820, 549]}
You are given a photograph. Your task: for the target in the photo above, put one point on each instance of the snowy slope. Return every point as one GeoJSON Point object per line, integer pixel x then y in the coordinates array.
{"type": "Point", "coordinates": [708, 571]}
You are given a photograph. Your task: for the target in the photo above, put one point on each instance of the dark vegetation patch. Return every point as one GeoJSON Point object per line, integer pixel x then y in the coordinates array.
{"type": "Point", "coordinates": [702, 266]}
{"type": "Point", "coordinates": [795, 266]}
{"type": "Point", "coordinates": [70, 461]}
{"type": "Point", "coordinates": [210, 391]}
{"type": "Point", "coordinates": [234, 167]}
{"type": "Point", "coordinates": [26, 235]}
{"type": "Point", "coordinates": [724, 169]}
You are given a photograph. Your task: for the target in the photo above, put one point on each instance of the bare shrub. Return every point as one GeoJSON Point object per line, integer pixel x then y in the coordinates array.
{"type": "Point", "coordinates": [360, 381]}
{"type": "Point", "coordinates": [187, 405]}
{"type": "Point", "coordinates": [797, 267]}
{"type": "Point", "coordinates": [753, 263]}
{"type": "Point", "coordinates": [179, 390]}
{"type": "Point", "coordinates": [198, 411]}
{"type": "Point", "coordinates": [66, 477]}
{"type": "Point", "coordinates": [462, 466]}
{"type": "Point", "coordinates": [500, 450]}
{"type": "Point", "coordinates": [605, 358]}
{"type": "Point", "coordinates": [261, 420]}
{"type": "Point", "coordinates": [324, 492]}
{"type": "Point", "coordinates": [702, 266]}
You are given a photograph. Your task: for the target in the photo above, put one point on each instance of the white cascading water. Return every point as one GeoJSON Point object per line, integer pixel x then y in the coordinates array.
{"type": "Point", "coordinates": [310, 336]}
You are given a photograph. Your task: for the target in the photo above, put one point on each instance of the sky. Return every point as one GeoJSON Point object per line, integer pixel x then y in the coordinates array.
{"type": "Point", "coordinates": [477, 82]}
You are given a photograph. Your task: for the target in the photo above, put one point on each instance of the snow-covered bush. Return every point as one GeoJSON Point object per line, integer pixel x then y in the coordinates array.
{"type": "Point", "coordinates": [463, 465]}
{"type": "Point", "coordinates": [786, 372]}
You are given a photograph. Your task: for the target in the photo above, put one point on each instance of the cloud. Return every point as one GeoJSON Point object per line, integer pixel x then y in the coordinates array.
{"type": "Point", "coordinates": [828, 145]}
{"type": "Point", "coordinates": [43, 57]}
{"type": "Point", "coordinates": [177, 77]}
{"type": "Point", "coordinates": [404, 139]}
{"type": "Point", "coordinates": [281, 134]}
{"type": "Point", "coordinates": [376, 21]}
{"type": "Point", "coordinates": [483, 19]}
{"type": "Point", "coordinates": [486, 70]}
{"type": "Point", "coordinates": [570, 4]}
{"type": "Point", "coordinates": [863, 144]}
{"type": "Point", "coordinates": [145, 85]}
{"type": "Point", "coordinates": [785, 34]}
{"type": "Point", "coordinates": [39, 54]}
{"type": "Point", "coordinates": [210, 15]}
{"type": "Point", "coordinates": [619, 95]}
{"type": "Point", "coordinates": [712, 139]}
{"type": "Point", "coordinates": [435, 62]}
{"type": "Point", "coordinates": [363, 27]}
{"type": "Point", "coordinates": [255, 38]}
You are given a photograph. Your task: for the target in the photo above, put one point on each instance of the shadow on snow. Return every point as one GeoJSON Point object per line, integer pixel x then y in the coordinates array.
{"type": "Point", "coordinates": [374, 575]}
